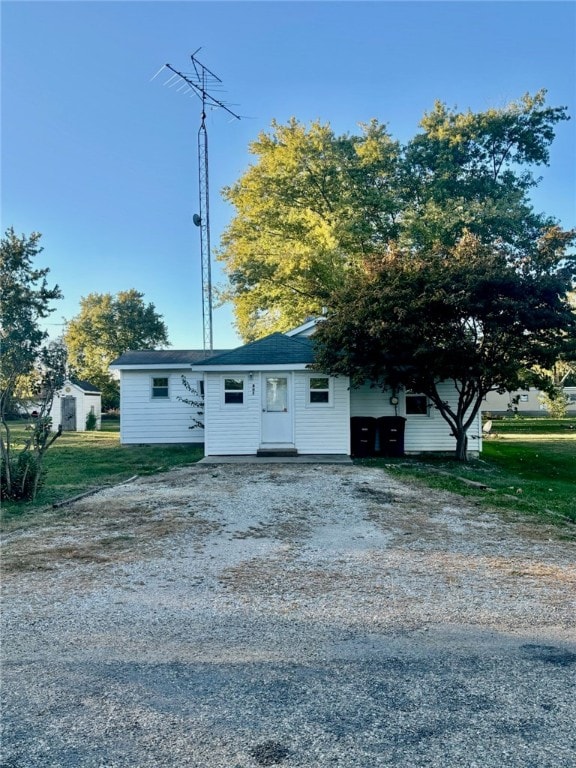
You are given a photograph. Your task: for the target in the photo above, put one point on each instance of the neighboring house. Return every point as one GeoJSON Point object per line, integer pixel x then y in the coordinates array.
{"type": "Point", "coordinates": [525, 402]}
{"type": "Point", "coordinates": [73, 403]}
{"type": "Point", "coordinates": [263, 398]}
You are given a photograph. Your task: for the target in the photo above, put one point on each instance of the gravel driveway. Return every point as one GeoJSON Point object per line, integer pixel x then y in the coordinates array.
{"type": "Point", "coordinates": [244, 615]}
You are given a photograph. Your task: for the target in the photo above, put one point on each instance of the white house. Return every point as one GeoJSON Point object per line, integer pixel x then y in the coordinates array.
{"type": "Point", "coordinates": [263, 398]}
{"type": "Point", "coordinates": [525, 402]}
{"type": "Point", "coordinates": [72, 405]}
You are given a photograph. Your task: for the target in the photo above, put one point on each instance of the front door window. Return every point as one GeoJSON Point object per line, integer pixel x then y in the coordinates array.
{"type": "Point", "coordinates": [277, 427]}
{"type": "Point", "coordinates": [276, 394]}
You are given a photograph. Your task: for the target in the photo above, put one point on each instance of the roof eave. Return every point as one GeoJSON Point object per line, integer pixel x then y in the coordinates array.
{"type": "Point", "coordinates": [150, 366]}
{"type": "Point", "coordinates": [303, 327]}
{"type": "Point", "coordinates": [254, 367]}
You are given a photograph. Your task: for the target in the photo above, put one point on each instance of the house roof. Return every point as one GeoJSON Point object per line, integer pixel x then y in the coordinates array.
{"type": "Point", "coordinates": [85, 385]}
{"type": "Point", "coordinates": [143, 357]}
{"type": "Point", "coordinates": [306, 328]}
{"type": "Point", "coordinates": [276, 349]}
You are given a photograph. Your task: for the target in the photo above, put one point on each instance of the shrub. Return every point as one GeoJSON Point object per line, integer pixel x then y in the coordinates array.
{"type": "Point", "coordinates": [196, 401]}
{"type": "Point", "coordinates": [91, 422]}
{"type": "Point", "coordinates": [555, 403]}
{"type": "Point", "coordinates": [21, 477]}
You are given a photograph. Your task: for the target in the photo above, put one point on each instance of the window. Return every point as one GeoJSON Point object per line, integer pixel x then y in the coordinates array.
{"type": "Point", "coordinates": [233, 391]}
{"type": "Point", "coordinates": [319, 392]}
{"type": "Point", "coordinates": [416, 404]}
{"type": "Point", "coordinates": [160, 388]}
{"type": "Point", "coordinates": [276, 394]}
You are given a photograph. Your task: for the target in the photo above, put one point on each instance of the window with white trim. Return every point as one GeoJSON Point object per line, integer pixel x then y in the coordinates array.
{"type": "Point", "coordinates": [160, 388]}
{"type": "Point", "coordinates": [417, 404]}
{"type": "Point", "coordinates": [234, 391]}
{"type": "Point", "coordinates": [319, 390]}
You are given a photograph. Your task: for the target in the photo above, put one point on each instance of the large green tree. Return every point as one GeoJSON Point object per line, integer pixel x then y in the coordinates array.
{"type": "Point", "coordinates": [474, 171]}
{"type": "Point", "coordinates": [26, 301]}
{"type": "Point", "coordinates": [106, 327]}
{"type": "Point", "coordinates": [28, 361]}
{"type": "Point", "coordinates": [310, 208]}
{"type": "Point", "coordinates": [471, 314]}
{"type": "Point", "coordinates": [314, 207]}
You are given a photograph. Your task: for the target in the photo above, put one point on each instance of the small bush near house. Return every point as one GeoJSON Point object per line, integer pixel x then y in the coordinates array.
{"type": "Point", "coordinates": [556, 404]}
{"type": "Point", "coordinates": [91, 422]}
{"type": "Point", "coordinates": [21, 477]}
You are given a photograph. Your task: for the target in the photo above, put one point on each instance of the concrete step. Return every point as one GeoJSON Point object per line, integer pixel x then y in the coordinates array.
{"type": "Point", "coordinates": [278, 452]}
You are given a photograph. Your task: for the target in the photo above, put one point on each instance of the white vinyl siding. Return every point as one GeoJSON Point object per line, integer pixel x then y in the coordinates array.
{"type": "Point", "coordinates": [318, 428]}
{"type": "Point", "coordinates": [422, 433]}
{"type": "Point", "coordinates": [365, 401]}
{"type": "Point", "coordinates": [232, 429]}
{"type": "Point", "coordinates": [148, 419]}
{"type": "Point", "coordinates": [237, 431]}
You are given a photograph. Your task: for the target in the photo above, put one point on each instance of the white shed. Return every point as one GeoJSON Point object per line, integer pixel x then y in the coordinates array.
{"type": "Point", "coordinates": [73, 404]}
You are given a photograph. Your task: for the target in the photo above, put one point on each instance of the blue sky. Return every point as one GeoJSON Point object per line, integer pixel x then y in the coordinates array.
{"type": "Point", "coordinates": [102, 161]}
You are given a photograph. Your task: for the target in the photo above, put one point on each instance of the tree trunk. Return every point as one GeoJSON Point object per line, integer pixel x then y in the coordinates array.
{"type": "Point", "coordinates": [5, 455]}
{"type": "Point", "coordinates": [461, 444]}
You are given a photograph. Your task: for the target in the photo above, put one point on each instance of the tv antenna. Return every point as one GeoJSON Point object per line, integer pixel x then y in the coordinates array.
{"type": "Point", "coordinates": [202, 83]}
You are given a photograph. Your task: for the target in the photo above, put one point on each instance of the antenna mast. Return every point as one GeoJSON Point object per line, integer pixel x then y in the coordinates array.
{"type": "Point", "coordinates": [198, 83]}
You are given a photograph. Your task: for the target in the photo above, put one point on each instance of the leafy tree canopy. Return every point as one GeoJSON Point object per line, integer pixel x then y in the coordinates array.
{"type": "Point", "coordinates": [466, 313]}
{"type": "Point", "coordinates": [315, 207]}
{"type": "Point", "coordinates": [473, 171]}
{"type": "Point", "coordinates": [307, 211]}
{"type": "Point", "coordinates": [28, 364]}
{"type": "Point", "coordinates": [106, 327]}
{"type": "Point", "coordinates": [26, 300]}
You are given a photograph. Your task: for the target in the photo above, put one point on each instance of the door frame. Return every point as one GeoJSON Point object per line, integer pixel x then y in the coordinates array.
{"type": "Point", "coordinates": [66, 401]}
{"type": "Point", "coordinates": [288, 375]}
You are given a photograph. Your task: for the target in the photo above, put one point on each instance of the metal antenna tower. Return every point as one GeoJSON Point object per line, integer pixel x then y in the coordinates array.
{"type": "Point", "coordinates": [202, 83]}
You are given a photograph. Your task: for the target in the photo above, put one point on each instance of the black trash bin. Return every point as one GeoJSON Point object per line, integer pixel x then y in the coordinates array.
{"type": "Point", "coordinates": [391, 435]}
{"type": "Point", "coordinates": [363, 435]}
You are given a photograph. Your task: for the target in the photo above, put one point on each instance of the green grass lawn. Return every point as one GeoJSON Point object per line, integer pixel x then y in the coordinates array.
{"type": "Point", "coordinates": [82, 461]}
{"type": "Point", "coordinates": [528, 466]}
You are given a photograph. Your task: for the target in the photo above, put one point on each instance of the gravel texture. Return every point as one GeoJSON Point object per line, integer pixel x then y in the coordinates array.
{"type": "Point", "coordinates": [243, 615]}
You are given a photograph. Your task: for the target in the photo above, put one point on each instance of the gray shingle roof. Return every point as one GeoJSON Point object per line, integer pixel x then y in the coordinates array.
{"type": "Point", "coordinates": [85, 385]}
{"type": "Point", "coordinates": [276, 349]}
{"type": "Point", "coordinates": [162, 357]}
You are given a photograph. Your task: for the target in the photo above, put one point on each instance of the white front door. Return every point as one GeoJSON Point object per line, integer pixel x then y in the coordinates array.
{"type": "Point", "coordinates": [277, 409]}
